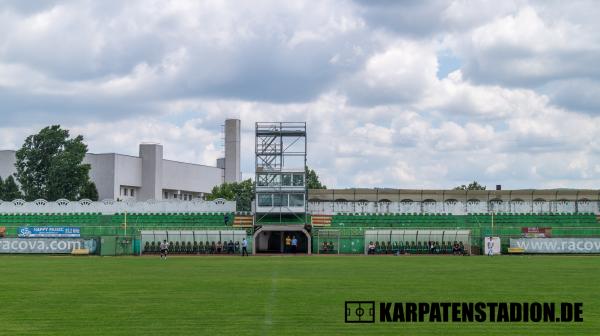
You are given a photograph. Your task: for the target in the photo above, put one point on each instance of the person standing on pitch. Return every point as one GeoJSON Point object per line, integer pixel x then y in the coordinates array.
{"type": "Point", "coordinates": [490, 246]}
{"type": "Point", "coordinates": [288, 244]}
{"type": "Point", "coordinates": [294, 244]}
{"type": "Point", "coordinates": [244, 247]}
{"type": "Point", "coordinates": [164, 249]}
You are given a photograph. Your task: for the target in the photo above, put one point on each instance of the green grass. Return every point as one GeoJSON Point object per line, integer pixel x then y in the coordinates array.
{"type": "Point", "coordinates": [45, 295]}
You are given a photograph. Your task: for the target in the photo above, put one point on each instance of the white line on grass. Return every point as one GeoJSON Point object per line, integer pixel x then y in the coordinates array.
{"type": "Point", "coordinates": [270, 303]}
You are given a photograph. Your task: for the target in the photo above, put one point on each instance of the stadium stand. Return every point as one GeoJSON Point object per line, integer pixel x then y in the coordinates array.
{"type": "Point", "coordinates": [511, 220]}
{"type": "Point", "coordinates": [96, 224]}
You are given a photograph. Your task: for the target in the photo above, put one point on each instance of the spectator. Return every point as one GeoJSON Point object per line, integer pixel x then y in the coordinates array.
{"type": "Point", "coordinates": [219, 247]}
{"type": "Point", "coordinates": [461, 248]}
{"type": "Point", "coordinates": [230, 247]}
{"type": "Point", "coordinates": [294, 244]}
{"type": "Point", "coordinates": [325, 247]}
{"type": "Point", "coordinates": [455, 248]}
{"type": "Point", "coordinates": [490, 247]}
{"type": "Point", "coordinates": [244, 247]}
{"type": "Point", "coordinates": [371, 248]}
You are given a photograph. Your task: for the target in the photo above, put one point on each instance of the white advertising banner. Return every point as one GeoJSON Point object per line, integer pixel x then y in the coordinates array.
{"type": "Point", "coordinates": [557, 245]}
{"type": "Point", "coordinates": [45, 245]}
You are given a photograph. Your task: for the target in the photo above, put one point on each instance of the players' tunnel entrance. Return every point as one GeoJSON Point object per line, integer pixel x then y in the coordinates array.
{"type": "Point", "coordinates": [272, 239]}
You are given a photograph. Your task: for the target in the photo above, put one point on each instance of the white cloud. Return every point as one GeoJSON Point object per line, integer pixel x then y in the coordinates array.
{"type": "Point", "coordinates": [519, 110]}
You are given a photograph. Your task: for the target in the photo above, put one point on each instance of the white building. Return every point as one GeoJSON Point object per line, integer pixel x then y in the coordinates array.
{"type": "Point", "coordinates": [150, 176]}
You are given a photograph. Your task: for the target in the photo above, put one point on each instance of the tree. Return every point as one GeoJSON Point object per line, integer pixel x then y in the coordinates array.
{"type": "Point", "coordinates": [49, 165]}
{"type": "Point", "coordinates": [312, 180]}
{"type": "Point", "coordinates": [10, 190]}
{"type": "Point", "coordinates": [472, 186]}
{"type": "Point", "coordinates": [89, 191]}
{"type": "Point", "coordinates": [241, 192]}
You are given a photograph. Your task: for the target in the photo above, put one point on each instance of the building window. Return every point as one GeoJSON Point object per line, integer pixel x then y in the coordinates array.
{"type": "Point", "coordinates": [286, 180]}
{"type": "Point", "coordinates": [132, 192]}
{"type": "Point", "coordinates": [298, 180]}
{"type": "Point", "coordinates": [265, 200]}
{"type": "Point", "coordinates": [296, 200]}
{"type": "Point", "coordinates": [280, 200]}
{"type": "Point", "coordinates": [166, 195]}
{"type": "Point", "coordinates": [124, 191]}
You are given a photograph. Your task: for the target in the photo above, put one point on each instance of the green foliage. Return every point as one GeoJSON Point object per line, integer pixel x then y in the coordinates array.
{"type": "Point", "coordinates": [242, 193]}
{"type": "Point", "coordinates": [9, 190]}
{"type": "Point", "coordinates": [312, 180]}
{"type": "Point", "coordinates": [89, 191]}
{"type": "Point", "coordinates": [472, 186]}
{"type": "Point", "coordinates": [49, 165]}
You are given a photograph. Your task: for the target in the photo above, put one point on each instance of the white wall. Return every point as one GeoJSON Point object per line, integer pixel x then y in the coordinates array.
{"type": "Point", "coordinates": [103, 174]}
{"type": "Point", "coordinates": [190, 177]}
{"type": "Point", "coordinates": [128, 172]}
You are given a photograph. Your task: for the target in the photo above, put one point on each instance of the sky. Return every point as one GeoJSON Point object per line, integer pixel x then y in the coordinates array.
{"type": "Point", "coordinates": [396, 94]}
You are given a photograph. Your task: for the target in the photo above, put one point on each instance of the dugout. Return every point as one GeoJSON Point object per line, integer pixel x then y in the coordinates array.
{"type": "Point", "coordinates": [271, 239]}
{"type": "Point", "coordinates": [418, 236]}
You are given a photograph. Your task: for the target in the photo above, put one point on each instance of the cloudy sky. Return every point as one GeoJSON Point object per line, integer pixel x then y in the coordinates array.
{"type": "Point", "coordinates": [403, 94]}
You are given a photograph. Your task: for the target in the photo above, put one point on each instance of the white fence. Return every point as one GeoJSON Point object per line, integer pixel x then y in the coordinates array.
{"type": "Point", "coordinates": [112, 207]}
{"type": "Point", "coordinates": [455, 207]}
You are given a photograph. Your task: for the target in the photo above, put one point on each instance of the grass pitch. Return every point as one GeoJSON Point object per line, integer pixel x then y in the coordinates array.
{"type": "Point", "coordinates": [46, 295]}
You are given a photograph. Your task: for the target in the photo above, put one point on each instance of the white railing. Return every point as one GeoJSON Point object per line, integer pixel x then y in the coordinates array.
{"type": "Point", "coordinates": [454, 207]}
{"type": "Point", "coordinates": [112, 207]}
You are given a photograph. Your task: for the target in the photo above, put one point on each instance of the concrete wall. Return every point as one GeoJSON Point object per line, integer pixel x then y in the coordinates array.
{"type": "Point", "coordinates": [103, 174]}
{"type": "Point", "coordinates": [190, 177]}
{"type": "Point", "coordinates": [152, 171]}
{"type": "Point", "coordinates": [128, 171]}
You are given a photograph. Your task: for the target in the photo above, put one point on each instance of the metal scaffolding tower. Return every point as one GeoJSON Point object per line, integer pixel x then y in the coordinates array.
{"type": "Point", "coordinates": [280, 181]}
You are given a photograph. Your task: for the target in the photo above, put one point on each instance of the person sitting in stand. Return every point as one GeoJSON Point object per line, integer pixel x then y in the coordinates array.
{"type": "Point", "coordinates": [325, 247]}
{"type": "Point", "coordinates": [230, 247]}
{"type": "Point", "coordinates": [461, 248]}
{"type": "Point", "coordinates": [219, 247]}
{"type": "Point", "coordinates": [455, 248]}
{"type": "Point", "coordinates": [371, 248]}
